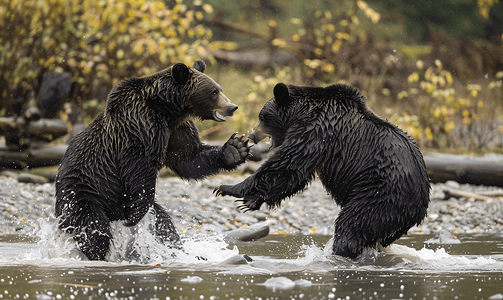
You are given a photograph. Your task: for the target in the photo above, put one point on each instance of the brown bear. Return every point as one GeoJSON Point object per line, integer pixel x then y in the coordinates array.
{"type": "Point", "coordinates": [109, 171]}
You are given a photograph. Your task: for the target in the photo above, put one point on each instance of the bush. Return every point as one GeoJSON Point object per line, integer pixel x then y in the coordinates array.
{"type": "Point", "coordinates": [444, 113]}
{"type": "Point", "coordinates": [333, 43]}
{"type": "Point", "coordinates": [98, 42]}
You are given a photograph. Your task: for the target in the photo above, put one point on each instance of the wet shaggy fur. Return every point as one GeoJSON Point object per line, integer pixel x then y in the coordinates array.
{"type": "Point", "coordinates": [109, 171]}
{"type": "Point", "coordinates": [370, 167]}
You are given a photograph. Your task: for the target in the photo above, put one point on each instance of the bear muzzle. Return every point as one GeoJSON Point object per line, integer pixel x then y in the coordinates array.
{"type": "Point", "coordinates": [220, 114]}
{"type": "Point", "coordinates": [258, 133]}
{"type": "Point", "coordinates": [224, 108]}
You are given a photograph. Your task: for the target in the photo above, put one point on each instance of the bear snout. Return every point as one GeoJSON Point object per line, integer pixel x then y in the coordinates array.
{"type": "Point", "coordinates": [220, 114]}
{"type": "Point", "coordinates": [258, 133]}
{"type": "Point", "coordinates": [232, 109]}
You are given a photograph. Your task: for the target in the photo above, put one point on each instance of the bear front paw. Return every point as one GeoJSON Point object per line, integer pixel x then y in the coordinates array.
{"type": "Point", "coordinates": [236, 151]}
{"type": "Point", "coordinates": [250, 203]}
{"type": "Point", "coordinates": [226, 190]}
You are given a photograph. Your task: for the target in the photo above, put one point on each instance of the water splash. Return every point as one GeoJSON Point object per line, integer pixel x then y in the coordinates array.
{"type": "Point", "coordinates": [53, 243]}
{"type": "Point", "coordinates": [130, 245]}
{"type": "Point", "coordinates": [393, 257]}
{"type": "Point", "coordinates": [139, 245]}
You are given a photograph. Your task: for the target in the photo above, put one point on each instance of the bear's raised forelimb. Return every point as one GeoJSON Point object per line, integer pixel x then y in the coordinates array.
{"type": "Point", "coordinates": [280, 177]}
{"type": "Point", "coordinates": [189, 158]}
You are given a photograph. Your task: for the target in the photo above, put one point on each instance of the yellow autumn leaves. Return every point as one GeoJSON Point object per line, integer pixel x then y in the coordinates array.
{"type": "Point", "coordinates": [98, 42]}
{"type": "Point", "coordinates": [320, 41]}
{"type": "Point", "coordinates": [440, 105]}
{"type": "Point", "coordinates": [485, 6]}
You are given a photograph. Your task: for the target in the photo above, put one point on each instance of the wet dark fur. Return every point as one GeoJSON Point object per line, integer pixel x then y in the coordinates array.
{"type": "Point", "coordinates": [371, 168]}
{"type": "Point", "coordinates": [109, 170]}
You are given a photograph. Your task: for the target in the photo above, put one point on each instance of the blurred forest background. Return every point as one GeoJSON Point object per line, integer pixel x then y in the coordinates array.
{"type": "Point", "coordinates": [434, 68]}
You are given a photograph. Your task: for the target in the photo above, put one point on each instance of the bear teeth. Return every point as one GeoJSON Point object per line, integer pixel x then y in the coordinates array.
{"type": "Point", "coordinates": [218, 116]}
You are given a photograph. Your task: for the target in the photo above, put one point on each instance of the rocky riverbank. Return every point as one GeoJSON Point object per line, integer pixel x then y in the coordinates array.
{"type": "Point", "coordinates": [458, 208]}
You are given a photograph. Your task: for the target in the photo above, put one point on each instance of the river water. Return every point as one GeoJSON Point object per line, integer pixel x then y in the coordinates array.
{"type": "Point", "coordinates": [47, 265]}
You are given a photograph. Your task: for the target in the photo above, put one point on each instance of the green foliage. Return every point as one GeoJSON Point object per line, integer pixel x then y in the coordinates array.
{"type": "Point", "coordinates": [98, 42]}
{"type": "Point", "coordinates": [457, 18]}
{"type": "Point", "coordinates": [334, 45]}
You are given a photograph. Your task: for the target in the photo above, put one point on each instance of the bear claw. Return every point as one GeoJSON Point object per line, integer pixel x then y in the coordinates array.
{"type": "Point", "coordinates": [218, 192]}
{"type": "Point", "coordinates": [251, 202]}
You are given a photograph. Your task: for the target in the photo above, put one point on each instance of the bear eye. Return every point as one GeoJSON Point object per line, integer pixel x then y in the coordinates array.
{"type": "Point", "coordinates": [215, 92]}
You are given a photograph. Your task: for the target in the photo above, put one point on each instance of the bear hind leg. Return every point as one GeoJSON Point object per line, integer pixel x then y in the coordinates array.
{"type": "Point", "coordinates": [347, 244]}
{"type": "Point", "coordinates": [388, 241]}
{"type": "Point", "coordinates": [164, 228]}
{"type": "Point", "coordinates": [354, 231]}
{"type": "Point", "coordinates": [93, 243]}
{"type": "Point", "coordinates": [91, 231]}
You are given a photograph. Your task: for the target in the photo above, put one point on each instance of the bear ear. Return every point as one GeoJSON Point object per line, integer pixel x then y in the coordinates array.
{"type": "Point", "coordinates": [199, 65]}
{"type": "Point", "coordinates": [281, 94]}
{"type": "Point", "coordinates": [180, 73]}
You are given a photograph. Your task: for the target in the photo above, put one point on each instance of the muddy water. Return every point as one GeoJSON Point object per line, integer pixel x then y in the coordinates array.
{"type": "Point", "coordinates": [48, 266]}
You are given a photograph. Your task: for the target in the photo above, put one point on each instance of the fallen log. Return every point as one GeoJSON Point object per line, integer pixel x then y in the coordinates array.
{"type": "Point", "coordinates": [42, 127]}
{"type": "Point", "coordinates": [450, 192]}
{"type": "Point", "coordinates": [31, 157]}
{"type": "Point", "coordinates": [492, 194]}
{"type": "Point", "coordinates": [483, 170]}
{"type": "Point", "coordinates": [253, 57]}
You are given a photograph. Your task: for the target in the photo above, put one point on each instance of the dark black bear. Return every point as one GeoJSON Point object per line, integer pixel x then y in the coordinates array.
{"type": "Point", "coordinates": [109, 171]}
{"type": "Point", "coordinates": [372, 169]}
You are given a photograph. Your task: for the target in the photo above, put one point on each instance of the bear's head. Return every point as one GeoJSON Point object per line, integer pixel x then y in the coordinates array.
{"type": "Point", "coordinates": [204, 97]}
{"type": "Point", "coordinates": [275, 117]}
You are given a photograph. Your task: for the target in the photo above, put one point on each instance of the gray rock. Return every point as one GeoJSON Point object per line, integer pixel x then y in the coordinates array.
{"type": "Point", "coordinates": [8, 173]}
{"type": "Point", "coordinates": [249, 233]}
{"type": "Point", "coordinates": [31, 178]}
{"type": "Point", "coordinates": [246, 219]}
{"type": "Point", "coordinates": [193, 205]}
{"type": "Point", "coordinates": [237, 260]}
{"type": "Point", "coordinates": [496, 297]}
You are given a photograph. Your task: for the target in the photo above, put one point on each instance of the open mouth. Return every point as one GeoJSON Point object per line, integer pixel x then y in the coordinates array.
{"type": "Point", "coordinates": [218, 117]}
{"type": "Point", "coordinates": [270, 142]}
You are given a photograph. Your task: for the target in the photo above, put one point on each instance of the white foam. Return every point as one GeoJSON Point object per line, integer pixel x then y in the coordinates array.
{"type": "Point", "coordinates": [198, 248]}
{"type": "Point", "coordinates": [303, 283]}
{"type": "Point", "coordinates": [440, 260]}
{"type": "Point", "coordinates": [192, 279]}
{"type": "Point", "coordinates": [310, 254]}
{"type": "Point", "coordinates": [53, 244]}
